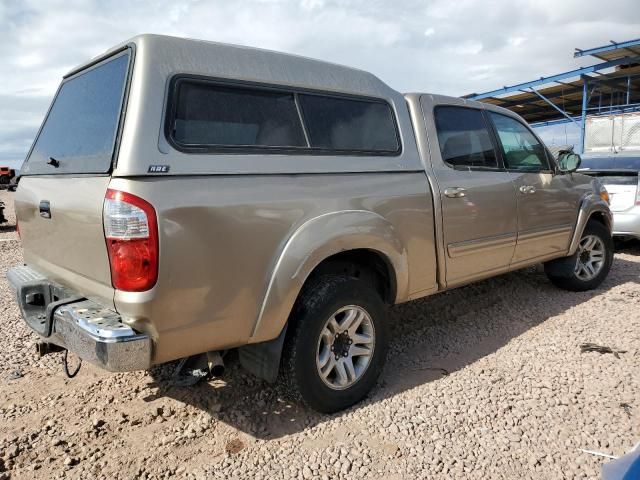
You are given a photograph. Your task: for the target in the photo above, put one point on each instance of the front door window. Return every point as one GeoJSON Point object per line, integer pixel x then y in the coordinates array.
{"type": "Point", "coordinates": [521, 149]}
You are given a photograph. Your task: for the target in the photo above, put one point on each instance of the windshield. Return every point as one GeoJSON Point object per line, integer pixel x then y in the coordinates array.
{"type": "Point", "coordinates": [80, 130]}
{"type": "Point", "coordinates": [610, 163]}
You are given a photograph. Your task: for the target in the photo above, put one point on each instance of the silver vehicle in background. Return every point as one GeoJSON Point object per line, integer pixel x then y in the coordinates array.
{"type": "Point", "coordinates": [620, 174]}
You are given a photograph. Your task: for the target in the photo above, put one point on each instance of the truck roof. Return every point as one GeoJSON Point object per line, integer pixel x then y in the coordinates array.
{"type": "Point", "coordinates": [158, 60]}
{"type": "Point", "coordinates": [446, 99]}
{"type": "Point", "coordinates": [253, 64]}
{"type": "Point", "coordinates": [256, 64]}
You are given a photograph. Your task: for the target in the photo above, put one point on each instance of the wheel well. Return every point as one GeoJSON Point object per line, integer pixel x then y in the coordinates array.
{"type": "Point", "coordinates": [362, 263]}
{"type": "Point", "coordinates": [600, 218]}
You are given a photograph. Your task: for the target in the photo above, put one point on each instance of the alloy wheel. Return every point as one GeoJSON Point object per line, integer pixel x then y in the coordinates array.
{"type": "Point", "coordinates": [591, 256]}
{"type": "Point", "coordinates": [345, 347]}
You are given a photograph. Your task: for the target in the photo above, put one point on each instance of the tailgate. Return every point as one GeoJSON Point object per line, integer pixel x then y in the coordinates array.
{"type": "Point", "coordinates": [65, 177]}
{"type": "Point", "coordinates": [68, 246]}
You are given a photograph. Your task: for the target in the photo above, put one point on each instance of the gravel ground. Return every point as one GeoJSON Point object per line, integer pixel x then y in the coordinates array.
{"type": "Point", "coordinates": [487, 381]}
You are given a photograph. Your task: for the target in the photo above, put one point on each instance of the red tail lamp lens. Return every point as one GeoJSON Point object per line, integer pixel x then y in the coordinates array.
{"type": "Point", "coordinates": [131, 233]}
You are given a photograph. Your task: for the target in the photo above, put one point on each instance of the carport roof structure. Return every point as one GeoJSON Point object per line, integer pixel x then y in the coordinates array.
{"type": "Point", "coordinates": [609, 86]}
{"type": "Point", "coordinates": [613, 51]}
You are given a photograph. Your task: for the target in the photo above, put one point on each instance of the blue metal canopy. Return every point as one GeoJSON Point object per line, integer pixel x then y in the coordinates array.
{"type": "Point", "coordinates": [610, 86]}
{"type": "Point", "coordinates": [611, 51]}
{"type": "Point", "coordinates": [555, 78]}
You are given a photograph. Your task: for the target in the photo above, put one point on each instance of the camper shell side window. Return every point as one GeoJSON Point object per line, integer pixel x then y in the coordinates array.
{"type": "Point", "coordinates": [209, 116]}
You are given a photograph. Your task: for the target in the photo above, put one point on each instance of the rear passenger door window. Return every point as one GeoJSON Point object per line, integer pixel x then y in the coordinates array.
{"type": "Point", "coordinates": [520, 148]}
{"type": "Point", "coordinates": [216, 115]}
{"type": "Point", "coordinates": [464, 138]}
{"type": "Point", "coordinates": [346, 124]}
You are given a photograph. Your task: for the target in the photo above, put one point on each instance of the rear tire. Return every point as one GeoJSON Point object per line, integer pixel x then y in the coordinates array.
{"type": "Point", "coordinates": [337, 320]}
{"type": "Point", "coordinates": [589, 266]}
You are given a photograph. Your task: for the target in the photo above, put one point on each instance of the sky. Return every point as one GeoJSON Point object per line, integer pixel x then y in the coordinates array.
{"type": "Point", "coordinates": [450, 47]}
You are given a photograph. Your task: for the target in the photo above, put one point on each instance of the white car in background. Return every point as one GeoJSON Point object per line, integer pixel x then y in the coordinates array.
{"type": "Point", "coordinates": [620, 174]}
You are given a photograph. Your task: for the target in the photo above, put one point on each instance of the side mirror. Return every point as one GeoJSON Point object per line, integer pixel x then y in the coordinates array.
{"type": "Point", "coordinates": [569, 162]}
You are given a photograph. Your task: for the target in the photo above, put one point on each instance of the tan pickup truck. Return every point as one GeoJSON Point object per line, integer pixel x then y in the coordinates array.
{"type": "Point", "coordinates": [184, 197]}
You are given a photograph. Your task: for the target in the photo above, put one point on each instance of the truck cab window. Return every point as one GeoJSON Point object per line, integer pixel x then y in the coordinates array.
{"type": "Point", "coordinates": [521, 149]}
{"type": "Point", "coordinates": [464, 138]}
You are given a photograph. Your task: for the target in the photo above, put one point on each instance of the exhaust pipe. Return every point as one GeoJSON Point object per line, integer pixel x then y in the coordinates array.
{"type": "Point", "coordinates": [216, 364]}
{"type": "Point", "coordinates": [191, 370]}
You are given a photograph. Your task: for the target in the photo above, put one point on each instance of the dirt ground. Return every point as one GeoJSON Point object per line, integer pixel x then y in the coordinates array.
{"type": "Point", "coordinates": [487, 381]}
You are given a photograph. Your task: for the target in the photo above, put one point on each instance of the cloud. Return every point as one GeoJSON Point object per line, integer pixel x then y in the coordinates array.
{"type": "Point", "coordinates": [443, 46]}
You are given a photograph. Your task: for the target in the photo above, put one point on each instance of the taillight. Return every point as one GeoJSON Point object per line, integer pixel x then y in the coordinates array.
{"type": "Point", "coordinates": [131, 232]}
{"type": "Point", "coordinates": [638, 191]}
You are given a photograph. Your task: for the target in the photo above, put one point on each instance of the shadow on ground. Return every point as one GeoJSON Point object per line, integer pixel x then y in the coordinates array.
{"type": "Point", "coordinates": [431, 337]}
{"type": "Point", "coordinates": [630, 247]}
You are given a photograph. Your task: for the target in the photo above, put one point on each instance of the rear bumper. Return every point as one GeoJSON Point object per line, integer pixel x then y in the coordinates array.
{"type": "Point", "coordinates": [627, 223]}
{"type": "Point", "coordinates": [94, 333]}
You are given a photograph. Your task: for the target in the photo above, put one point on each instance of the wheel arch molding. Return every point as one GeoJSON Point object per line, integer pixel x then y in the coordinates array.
{"type": "Point", "coordinates": [317, 240]}
{"type": "Point", "coordinates": [591, 207]}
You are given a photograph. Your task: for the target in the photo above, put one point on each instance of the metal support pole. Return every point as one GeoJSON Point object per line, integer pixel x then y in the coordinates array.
{"type": "Point", "coordinates": [552, 104]}
{"type": "Point", "coordinates": [610, 102]}
{"type": "Point", "coordinates": [599, 100]}
{"type": "Point", "coordinates": [583, 120]}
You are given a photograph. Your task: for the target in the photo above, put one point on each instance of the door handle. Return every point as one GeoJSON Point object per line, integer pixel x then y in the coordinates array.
{"type": "Point", "coordinates": [455, 192]}
{"type": "Point", "coordinates": [527, 189]}
{"type": "Point", "coordinates": [45, 209]}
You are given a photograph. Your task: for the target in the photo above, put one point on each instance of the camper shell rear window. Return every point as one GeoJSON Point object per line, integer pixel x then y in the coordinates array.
{"type": "Point", "coordinates": [208, 116]}
{"type": "Point", "coordinates": [79, 133]}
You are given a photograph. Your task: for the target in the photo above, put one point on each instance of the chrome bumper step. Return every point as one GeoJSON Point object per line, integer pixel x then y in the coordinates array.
{"type": "Point", "coordinates": [94, 333]}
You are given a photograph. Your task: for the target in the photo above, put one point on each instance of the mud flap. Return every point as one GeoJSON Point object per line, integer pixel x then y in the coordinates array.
{"type": "Point", "coordinates": [561, 267]}
{"type": "Point", "coordinates": [263, 359]}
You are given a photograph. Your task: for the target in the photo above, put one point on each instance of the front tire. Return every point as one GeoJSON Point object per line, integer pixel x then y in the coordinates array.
{"type": "Point", "coordinates": [589, 266]}
{"type": "Point", "coordinates": [337, 343]}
